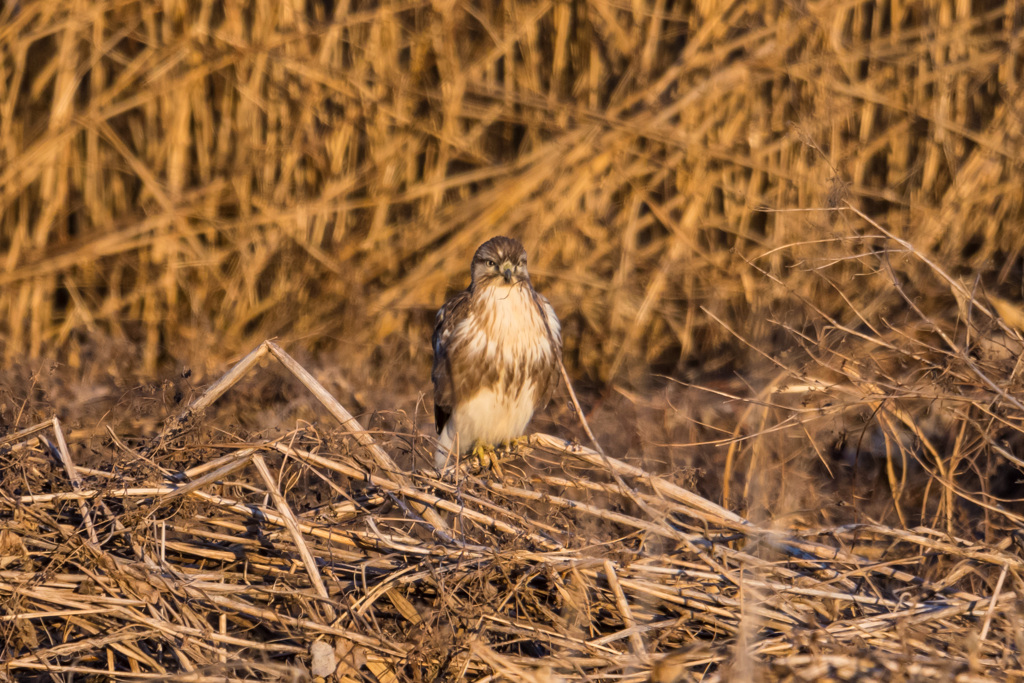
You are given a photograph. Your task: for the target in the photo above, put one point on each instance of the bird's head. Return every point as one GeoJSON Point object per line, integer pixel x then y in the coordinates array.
{"type": "Point", "coordinates": [500, 261]}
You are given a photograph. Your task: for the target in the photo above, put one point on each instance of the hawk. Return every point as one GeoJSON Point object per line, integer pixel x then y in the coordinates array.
{"type": "Point", "coordinates": [497, 347]}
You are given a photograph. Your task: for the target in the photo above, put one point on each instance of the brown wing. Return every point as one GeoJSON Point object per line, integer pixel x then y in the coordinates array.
{"type": "Point", "coordinates": [547, 373]}
{"type": "Point", "coordinates": [448, 317]}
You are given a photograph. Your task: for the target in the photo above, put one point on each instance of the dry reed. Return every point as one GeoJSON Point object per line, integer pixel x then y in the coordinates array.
{"type": "Point", "coordinates": [174, 170]}
{"type": "Point", "coordinates": [784, 241]}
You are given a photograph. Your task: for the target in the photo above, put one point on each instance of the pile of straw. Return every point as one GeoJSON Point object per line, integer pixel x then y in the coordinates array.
{"type": "Point", "coordinates": [586, 569]}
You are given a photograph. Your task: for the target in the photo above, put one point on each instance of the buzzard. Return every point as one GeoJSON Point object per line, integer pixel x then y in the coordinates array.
{"type": "Point", "coordinates": [497, 347]}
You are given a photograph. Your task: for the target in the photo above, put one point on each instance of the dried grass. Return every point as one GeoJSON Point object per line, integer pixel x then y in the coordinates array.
{"type": "Point", "coordinates": [587, 568]}
{"type": "Point", "coordinates": [785, 245]}
{"type": "Point", "coordinates": [190, 172]}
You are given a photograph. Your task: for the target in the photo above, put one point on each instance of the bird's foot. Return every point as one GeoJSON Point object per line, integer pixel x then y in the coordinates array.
{"type": "Point", "coordinates": [516, 445]}
{"type": "Point", "coordinates": [487, 457]}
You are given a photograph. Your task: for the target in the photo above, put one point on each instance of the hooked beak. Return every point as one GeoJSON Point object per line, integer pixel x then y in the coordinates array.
{"type": "Point", "coordinates": [506, 273]}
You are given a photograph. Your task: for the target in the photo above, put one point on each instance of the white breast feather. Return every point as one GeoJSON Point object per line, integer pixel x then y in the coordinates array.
{"type": "Point", "coordinates": [507, 328]}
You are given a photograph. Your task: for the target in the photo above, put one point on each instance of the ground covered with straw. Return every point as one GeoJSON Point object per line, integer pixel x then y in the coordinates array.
{"type": "Point", "coordinates": [785, 244]}
{"type": "Point", "coordinates": [314, 553]}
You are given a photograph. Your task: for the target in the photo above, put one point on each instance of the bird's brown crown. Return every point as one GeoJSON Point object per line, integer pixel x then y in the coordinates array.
{"type": "Point", "coordinates": [499, 249]}
{"type": "Point", "coordinates": [499, 260]}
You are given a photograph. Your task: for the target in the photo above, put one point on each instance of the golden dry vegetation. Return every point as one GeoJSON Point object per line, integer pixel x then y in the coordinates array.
{"type": "Point", "coordinates": [785, 241]}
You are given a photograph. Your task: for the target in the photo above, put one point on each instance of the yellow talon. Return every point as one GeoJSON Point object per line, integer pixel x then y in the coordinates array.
{"type": "Point", "coordinates": [487, 457]}
{"type": "Point", "coordinates": [483, 453]}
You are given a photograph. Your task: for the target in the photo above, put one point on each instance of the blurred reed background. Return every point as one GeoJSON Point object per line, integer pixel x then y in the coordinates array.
{"type": "Point", "coordinates": [195, 177]}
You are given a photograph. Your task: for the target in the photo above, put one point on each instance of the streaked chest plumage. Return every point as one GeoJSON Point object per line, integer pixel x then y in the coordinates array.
{"type": "Point", "coordinates": [503, 358]}
{"type": "Point", "coordinates": [505, 329]}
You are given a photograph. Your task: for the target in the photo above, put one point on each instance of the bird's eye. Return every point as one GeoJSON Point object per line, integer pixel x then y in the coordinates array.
{"type": "Point", "coordinates": [491, 263]}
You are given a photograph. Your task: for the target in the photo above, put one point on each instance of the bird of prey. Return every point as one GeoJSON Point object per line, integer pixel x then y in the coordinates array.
{"type": "Point", "coordinates": [497, 348]}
